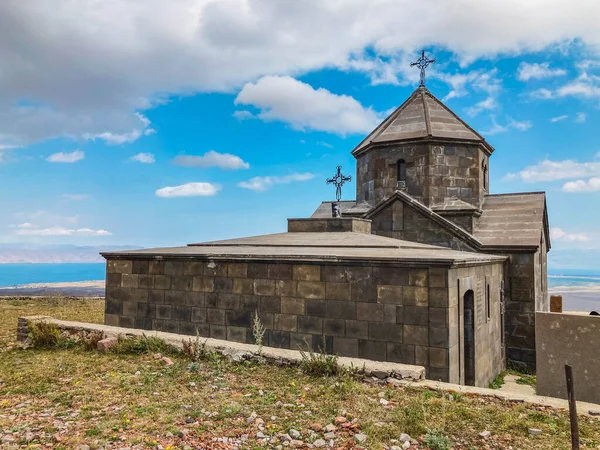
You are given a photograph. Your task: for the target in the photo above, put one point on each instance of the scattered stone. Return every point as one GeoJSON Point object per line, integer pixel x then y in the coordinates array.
{"type": "Point", "coordinates": [295, 434]}
{"type": "Point", "coordinates": [296, 443]}
{"type": "Point", "coordinates": [383, 401]}
{"type": "Point", "coordinates": [534, 431]}
{"type": "Point", "coordinates": [82, 447]}
{"type": "Point", "coordinates": [406, 445]}
{"type": "Point", "coordinates": [404, 437]}
{"type": "Point", "coordinates": [319, 443]}
{"type": "Point", "coordinates": [395, 447]}
{"type": "Point", "coordinates": [360, 438]}
{"type": "Point", "coordinates": [259, 421]}
{"type": "Point", "coordinates": [485, 434]}
{"type": "Point", "coordinates": [380, 374]}
{"type": "Point", "coordinates": [285, 437]}
{"type": "Point", "coordinates": [330, 435]}
{"type": "Point", "coordinates": [315, 427]}
{"type": "Point", "coordinates": [169, 434]}
{"type": "Point", "coordinates": [594, 412]}
{"type": "Point", "coordinates": [106, 344]}
{"type": "Point", "coordinates": [330, 427]}
{"type": "Point", "coordinates": [167, 361]}
{"type": "Point", "coordinates": [260, 435]}
{"type": "Point", "coordinates": [339, 420]}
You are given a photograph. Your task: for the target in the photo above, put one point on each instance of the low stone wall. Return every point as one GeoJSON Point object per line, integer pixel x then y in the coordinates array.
{"type": "Point", "coordinates": [568, 339]}
{"type": "Point", "coordinates": [380, 312]}
{"type": "Point", "coordinates": [234, 350]}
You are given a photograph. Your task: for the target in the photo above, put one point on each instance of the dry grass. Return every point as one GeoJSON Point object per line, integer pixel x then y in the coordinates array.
{"type": "Point", "coordinates": [137, 399]}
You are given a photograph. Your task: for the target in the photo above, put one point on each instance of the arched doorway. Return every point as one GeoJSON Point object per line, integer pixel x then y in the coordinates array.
{"type": "Point", "coordinates": [469, 337]}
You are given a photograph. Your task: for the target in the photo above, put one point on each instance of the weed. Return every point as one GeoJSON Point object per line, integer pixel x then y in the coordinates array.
{"type": "Point", "coordinates": [258, 331]}
{"type": "Point", "coordinates": [195, 349]}
{"type": "Point", "coordinates": [138, 345]}
{"type": "Point", "coordinates": [436, 440]}
{"type": "Point", "coordinates": [44, 335]}
{"type": "Point", "coordinates": [497, 382]}
{"type": "Point", "coordinates": [528, 380]}
{"type": "Point", "coordinates": [319, 363]}
{"type": "Point", "coordinates": [89, 341]}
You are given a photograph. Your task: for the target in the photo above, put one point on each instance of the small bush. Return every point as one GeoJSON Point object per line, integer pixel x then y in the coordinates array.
{"type": "Point", "coordinates": [44, 335]}
{"type": "Point", "coordinates": [138, 345]}
{"type": "Point", "coordinates": [319, 363]}
{"type": "Point", "coordinates": [89, 341]}
{"type": "Point", "coordinates": [194, 349]}
{"type": "Point", "coordinates": [436, 440]}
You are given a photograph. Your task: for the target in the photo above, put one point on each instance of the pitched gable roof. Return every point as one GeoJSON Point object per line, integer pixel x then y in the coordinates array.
{"type": "Point", "coordinates": [513, 220]}
{"type": "Point", "coordinates": [422, 116]}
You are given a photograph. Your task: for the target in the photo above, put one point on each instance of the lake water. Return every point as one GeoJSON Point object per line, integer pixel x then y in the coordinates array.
{"type": "Point", "coordinates": [15, 274]}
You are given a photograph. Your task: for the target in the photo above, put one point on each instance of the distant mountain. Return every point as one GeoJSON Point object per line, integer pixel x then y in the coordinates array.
{"type": "Point", "coordinates": [35, 253]}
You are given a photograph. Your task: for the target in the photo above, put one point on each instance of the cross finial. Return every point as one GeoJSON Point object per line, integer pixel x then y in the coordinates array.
{"type": "Point", "coordinates": [338, 181]}
{"type": "Point", "coordinates": [422, 64]}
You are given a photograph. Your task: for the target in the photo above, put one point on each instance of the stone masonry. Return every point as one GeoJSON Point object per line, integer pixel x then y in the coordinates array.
{"type": "Point", "coordinates": [386, 313]}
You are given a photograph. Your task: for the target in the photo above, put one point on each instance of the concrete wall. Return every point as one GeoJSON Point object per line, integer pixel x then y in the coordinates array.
{"type": "Point", "coordinates": [489, 358]}
{"type": "Point", "coordinates": [400, 221]}
{"type": "Point", "coordinates": [387, 313]}
{"type": "Point", "coordinates": [434, 173]}
{"type": "Point", "coordinates": [568, 339]}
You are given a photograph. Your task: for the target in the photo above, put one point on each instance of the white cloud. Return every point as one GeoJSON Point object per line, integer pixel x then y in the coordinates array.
{"type": "Point", "coordinates": [522, 125]}
{"type": "Point", "coordinates": [303, 107]}
{"type": "Point", "coordinates": [558, 234]}
{"type": "Point", "coordinates": [75, 196]}
{"type": "Point", "coordinates": [60, 231]}
{"type": "Point", "coordinates": [496, 128]}
{"type": "Point", "coordinates": [242, 114]}
{"type": "Point", "coordinates": [136, 57]}
{"type": "Point", "coordinates": [542, 93]}
{"type": "Point", "coordinates": [200, 189]}
{"type": "Point", "coordinates": [592, 185]}
{"type": "Point", "coordinates": [261, 184]}
{"type": "Point", "coordinates": [548, 170]}
{"type": "Point", "coordinates": [580, 117]}
{"type": "Point", "coordinates": [527, 71]}
{"type": "Point", "coordinates": [62, 157]}
{"type": "Point", "coordinates": [23, 225]}
{"type": "Point", "coordinates": [212, 159]}
{"type": "Point", "coordinates": [145, 158]}
{"type": "Point", "coordinates": [488, 103]}
{"type": "Point", "coordinates": [558, 118]}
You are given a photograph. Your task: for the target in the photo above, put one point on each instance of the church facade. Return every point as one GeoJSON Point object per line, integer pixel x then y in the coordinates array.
{"type": "Point", "coordinates": [423, 175]}
{"type": "Point", "coordinates": [425, 267]}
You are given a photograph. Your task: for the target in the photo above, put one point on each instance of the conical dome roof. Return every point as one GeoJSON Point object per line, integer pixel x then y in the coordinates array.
{"type": "Point", "coordinates": [422, 116]}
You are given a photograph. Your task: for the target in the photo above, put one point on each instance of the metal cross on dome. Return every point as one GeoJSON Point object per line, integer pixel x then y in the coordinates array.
{"type": "Point", "coordinates": [338, 181]}
{"type": "Point", "coordinates": [422, 64]}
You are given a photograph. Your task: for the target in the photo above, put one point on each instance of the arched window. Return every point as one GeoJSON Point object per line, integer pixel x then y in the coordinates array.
{"type": "Point", "coordinates": [401, 170]}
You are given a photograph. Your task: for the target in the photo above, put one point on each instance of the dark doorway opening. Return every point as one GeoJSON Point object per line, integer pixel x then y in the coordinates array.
{"type": "Point", "coordinates": [469, 337]}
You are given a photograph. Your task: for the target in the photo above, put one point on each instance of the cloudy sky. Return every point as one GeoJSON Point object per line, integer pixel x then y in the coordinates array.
{"type": "Point", "coordinates": [168, 122]}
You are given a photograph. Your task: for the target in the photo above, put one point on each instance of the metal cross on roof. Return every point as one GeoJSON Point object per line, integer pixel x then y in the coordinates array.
{"type": "Point", "coordinates": [422, 64]}
{"type": "Point", "coordinates": [338, 181]}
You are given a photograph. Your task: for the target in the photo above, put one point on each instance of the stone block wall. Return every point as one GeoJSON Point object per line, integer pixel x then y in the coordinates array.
{"type": "Point", "coordinates": [573, 339]}
{"type": "Point", "coordinates": [399, 221]}
{"type": "Point", "coordinates": [434, 173]}
{"type": "Point", "coordinates": [489, 351]}
{"type": "Point", "coordinates": [387, 313]}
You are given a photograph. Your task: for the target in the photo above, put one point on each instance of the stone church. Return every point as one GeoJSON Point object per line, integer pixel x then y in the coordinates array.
{"type": "Point", "coordinates": [425, 267]}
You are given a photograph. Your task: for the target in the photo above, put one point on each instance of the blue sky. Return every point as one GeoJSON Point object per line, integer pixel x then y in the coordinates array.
{"type": "Point", "coordinates": [186, 121]}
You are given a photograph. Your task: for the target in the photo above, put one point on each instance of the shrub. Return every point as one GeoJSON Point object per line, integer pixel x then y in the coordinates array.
{"type": "Point", "coordinates": [44, 335]}
{"type": "Point", "coordinates": [436, 440]}
{"type": "Point", "coordinates": [141, 344]}
{"type": "Point", "coordinates": [319, 363]}
{"type": "Point", "coordinates": [497, 382]}
{"type": "Point", "coordinates": [194, 349]}
{"type": "Point", "coordinates": [89, 341]}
